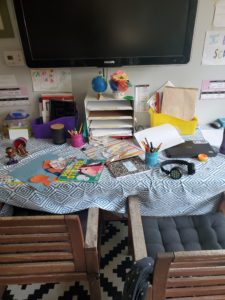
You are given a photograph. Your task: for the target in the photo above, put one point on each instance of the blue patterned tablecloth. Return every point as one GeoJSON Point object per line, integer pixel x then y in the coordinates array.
{"type": "Point", "coordinates": [160, 195]}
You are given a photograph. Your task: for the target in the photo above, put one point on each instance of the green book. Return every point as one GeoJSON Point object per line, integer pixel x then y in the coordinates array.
{"type": "Point", "coordinates": [86, 170]}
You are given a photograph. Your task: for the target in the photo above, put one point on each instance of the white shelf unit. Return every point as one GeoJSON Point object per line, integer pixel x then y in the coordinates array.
{"type": "Point", "coordinates": [108, 116]}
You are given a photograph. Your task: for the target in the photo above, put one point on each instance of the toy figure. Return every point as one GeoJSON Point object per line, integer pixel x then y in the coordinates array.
{"type": "Point", "coordinates": [20, 146]}
{"type": "Point", "coordinates": [11, 154]}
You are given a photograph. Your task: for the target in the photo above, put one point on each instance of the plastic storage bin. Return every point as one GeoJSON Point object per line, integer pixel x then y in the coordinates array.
{"type": "Point", "coordinates": [184, 127]}
{"type": "Point", "coordinates": [43, 131]}
{"type": "Point", "coordinates": [15, 123]}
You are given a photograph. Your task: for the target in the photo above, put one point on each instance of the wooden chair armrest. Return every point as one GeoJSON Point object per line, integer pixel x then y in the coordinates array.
{"type": "Point", "coordinates": [221, 205]}
{"type": "Point", "coordinates": [91, 239]}
{"type": "Point", "coordinates": [135, 223]}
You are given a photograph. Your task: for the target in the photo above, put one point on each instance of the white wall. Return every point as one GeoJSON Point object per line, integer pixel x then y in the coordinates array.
{"type": "Point", "coordinates": [189, 75]}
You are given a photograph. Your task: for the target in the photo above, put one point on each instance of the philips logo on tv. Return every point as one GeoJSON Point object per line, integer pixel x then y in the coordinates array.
{"type": "Point", "coordinates": [109, 62]}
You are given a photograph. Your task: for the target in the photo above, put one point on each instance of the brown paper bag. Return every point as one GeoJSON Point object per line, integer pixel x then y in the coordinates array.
{"type": "Point", "coordinates": [179, 102]}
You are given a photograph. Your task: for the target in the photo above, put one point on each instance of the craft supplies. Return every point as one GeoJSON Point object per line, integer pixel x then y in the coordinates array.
{"type": "Point", "coordinates": [151, 158]}
{"type": "Point", "coordinates": [76, 137]}
{"type": "Point", "coordinates": [149, 146]}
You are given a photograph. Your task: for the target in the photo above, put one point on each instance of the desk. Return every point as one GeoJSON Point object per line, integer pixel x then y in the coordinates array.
{"type": "Point", "coordinates": [193, 194]}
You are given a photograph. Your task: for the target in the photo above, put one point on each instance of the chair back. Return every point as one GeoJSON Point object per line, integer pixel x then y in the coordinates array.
{"type": "Point", "coordinates": [189, 275]}
{"type": "Point", "coordinates": [41, 249]}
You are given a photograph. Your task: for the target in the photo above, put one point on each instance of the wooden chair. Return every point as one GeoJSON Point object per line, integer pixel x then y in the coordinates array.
{"type": "Point", "coordinates": [49, 249]}
{"type": "Point", "coordinates": [179, 275]}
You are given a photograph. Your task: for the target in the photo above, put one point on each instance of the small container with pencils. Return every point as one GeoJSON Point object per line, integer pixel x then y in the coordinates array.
{"type": "Point", "coordinates": [76, 137]}
{"type": "Point", "coordinates": [151, 153]}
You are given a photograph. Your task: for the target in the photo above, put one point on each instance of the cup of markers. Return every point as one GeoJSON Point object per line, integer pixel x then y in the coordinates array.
{"type": "Point", "coordinates": [77, 140]}
{"type": "Point", "coordinates": [151, 153]}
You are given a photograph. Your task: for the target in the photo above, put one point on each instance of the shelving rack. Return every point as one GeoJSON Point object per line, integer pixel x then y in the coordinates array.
{"type": "Point", "coordinates": [108, 116]}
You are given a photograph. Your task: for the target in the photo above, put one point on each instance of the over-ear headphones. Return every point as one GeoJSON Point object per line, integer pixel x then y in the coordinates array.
{"type": "Point", "coordinates": [176, 172]}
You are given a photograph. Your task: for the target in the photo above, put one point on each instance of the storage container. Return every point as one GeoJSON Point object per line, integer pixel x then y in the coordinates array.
{"type": "Point", "coordinates": [15, 123]}
{"type": "Point", "coordinates": [43, 131]}
{"type": "Point", "coordinates": [184, 127]}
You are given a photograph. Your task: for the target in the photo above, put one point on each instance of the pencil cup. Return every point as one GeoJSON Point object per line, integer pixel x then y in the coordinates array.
{"type": "Point", "coordinates": [77, 140]}
{"type": "Point", "coordinates": [151, 158]}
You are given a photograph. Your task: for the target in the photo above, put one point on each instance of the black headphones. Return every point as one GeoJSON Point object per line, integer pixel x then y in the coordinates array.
{"type": "Point", "coordinates": [176, 172]}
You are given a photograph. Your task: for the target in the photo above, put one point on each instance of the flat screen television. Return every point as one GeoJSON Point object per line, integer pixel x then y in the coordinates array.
{"type": "Point", "coordinates": [74, 33]}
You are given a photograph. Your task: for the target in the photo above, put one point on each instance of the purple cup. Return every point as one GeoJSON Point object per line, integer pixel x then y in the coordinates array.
{"type": "Point", "coordinates": [77, 140]}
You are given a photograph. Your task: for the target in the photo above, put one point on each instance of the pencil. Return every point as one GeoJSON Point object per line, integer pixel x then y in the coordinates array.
{"type": "Point", "coordinates": [80, 128]}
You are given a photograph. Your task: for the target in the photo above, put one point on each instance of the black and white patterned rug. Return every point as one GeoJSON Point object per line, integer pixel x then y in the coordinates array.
{"type": "Point", "coordinates": [115, 263]}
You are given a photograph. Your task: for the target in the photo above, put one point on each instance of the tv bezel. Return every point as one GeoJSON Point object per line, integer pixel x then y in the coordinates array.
{"type": "Point", "coordinates": [108, 61]}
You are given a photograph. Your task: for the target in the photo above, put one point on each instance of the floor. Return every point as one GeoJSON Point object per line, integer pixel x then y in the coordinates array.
{"type": "Point", "coordinates": [115, 263]}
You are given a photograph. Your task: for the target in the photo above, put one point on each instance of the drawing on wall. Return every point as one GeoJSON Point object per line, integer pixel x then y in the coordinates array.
{"type": "Point", "coordinates": [51, 80]}
{"type": "Point", "coordinates": [214, 48]}
{"type": "Point", "coordinates": [6, 30]}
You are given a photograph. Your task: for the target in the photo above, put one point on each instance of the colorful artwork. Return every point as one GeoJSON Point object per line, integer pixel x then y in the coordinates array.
{"type": "Point", "coordinates": [214, 49]}
{"type": "Point", "coordinates": [33, 172]}
{"type": "Point", "coordinates": [82, 170]}
{"type": "Point", "coordinates": [55, 80]}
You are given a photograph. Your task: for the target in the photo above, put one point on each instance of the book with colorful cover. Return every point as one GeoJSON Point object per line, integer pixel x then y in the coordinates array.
{"type": "Point", "coordinates": [87, 170]}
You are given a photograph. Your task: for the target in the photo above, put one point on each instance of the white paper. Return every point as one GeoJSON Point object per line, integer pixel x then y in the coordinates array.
{"type": "Point", "coordinates": [142, 94]}
{"type": "Point", "coordinates": [213, 136]}
{"type": "Point", "coordinates": [111, 132]}
{"type": "Point", "coordinates": [214, 48]}
{"type": "Point", "coordinates": [219, 17]}
{"type": "Point", "coordinates": [15, 133]}
{"type": "Point", "coordinates": [53, 80]}
{"type": "Point", "coordinates": [165, 134]}
{"type": "Point", "coordinates": [8, 81]}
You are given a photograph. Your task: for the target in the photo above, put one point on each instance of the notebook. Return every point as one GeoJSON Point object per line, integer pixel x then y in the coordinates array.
{"type": "Point", "coordinates": [127, 166]}
{"type": "Point", "coordinates": [190, 149]}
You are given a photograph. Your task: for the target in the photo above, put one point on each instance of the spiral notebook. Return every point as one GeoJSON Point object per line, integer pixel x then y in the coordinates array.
{"type": "Point", "coordinates": [127, 166]}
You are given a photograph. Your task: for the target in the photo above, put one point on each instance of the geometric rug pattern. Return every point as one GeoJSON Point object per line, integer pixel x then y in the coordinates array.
{"type": "Point", "coordinates": [114, 264]}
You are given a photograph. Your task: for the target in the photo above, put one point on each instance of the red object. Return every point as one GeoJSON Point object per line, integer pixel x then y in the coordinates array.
{"type": "Point", "coordinates": [157, 103]}
{"type": "Point", "coordinates": [20, 141]}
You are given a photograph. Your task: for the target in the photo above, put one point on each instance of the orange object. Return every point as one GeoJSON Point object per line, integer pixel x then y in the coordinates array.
{"type": "Point", "coordinates": [202, 157]}
{"type": "Point", "coordinates": [40, 178]}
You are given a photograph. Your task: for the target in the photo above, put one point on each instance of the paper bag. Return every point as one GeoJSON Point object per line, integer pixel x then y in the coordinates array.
{"type": "Point", "coordinates": [179, 102]}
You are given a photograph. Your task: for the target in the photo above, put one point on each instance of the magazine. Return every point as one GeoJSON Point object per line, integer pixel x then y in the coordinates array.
{"type": "Point", "coordinates": [87, 170]}
{"type": "Point", "coordinates": [127, 166]}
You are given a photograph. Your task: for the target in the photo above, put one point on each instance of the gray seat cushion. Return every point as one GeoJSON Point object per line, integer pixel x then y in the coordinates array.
{"type": "Point", "coordinates": [184, 233]}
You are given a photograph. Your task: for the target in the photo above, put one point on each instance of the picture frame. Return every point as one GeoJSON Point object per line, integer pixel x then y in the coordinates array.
{"type": "Point", "coordinates": [6, 29]}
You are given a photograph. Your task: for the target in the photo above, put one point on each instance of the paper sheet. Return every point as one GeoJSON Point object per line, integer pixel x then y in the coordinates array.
{"type": "Point", "coordinates": [8, 81]}
{"type": "Point", "coordinates": [142, 94]}
{"type": "Point", "coordinates": [213, 136]}
{"type": "Point", "coordinates": [34, 167]}
{"type": "Point", "coordinates": [219, 17]}
{"type": "Point", "coordinates": [214, 48]}
{"type": "Point", "coordinates": [165, 134]}
{"type": "Point", "coordinates": [55, 80]}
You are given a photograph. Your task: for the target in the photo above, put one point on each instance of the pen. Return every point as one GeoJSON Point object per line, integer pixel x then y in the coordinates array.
{"type": "Point", "coordinates": [157, 148]}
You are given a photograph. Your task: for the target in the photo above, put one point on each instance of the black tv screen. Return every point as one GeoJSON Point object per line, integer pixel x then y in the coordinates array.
{"type": "Point", "coordinates": [70, 33]}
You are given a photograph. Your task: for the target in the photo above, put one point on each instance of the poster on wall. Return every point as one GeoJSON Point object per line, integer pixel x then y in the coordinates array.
{"type": "Point", "coordinates": [51, 80]}
{"type": "Point", "coordinates": [214, 48]}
